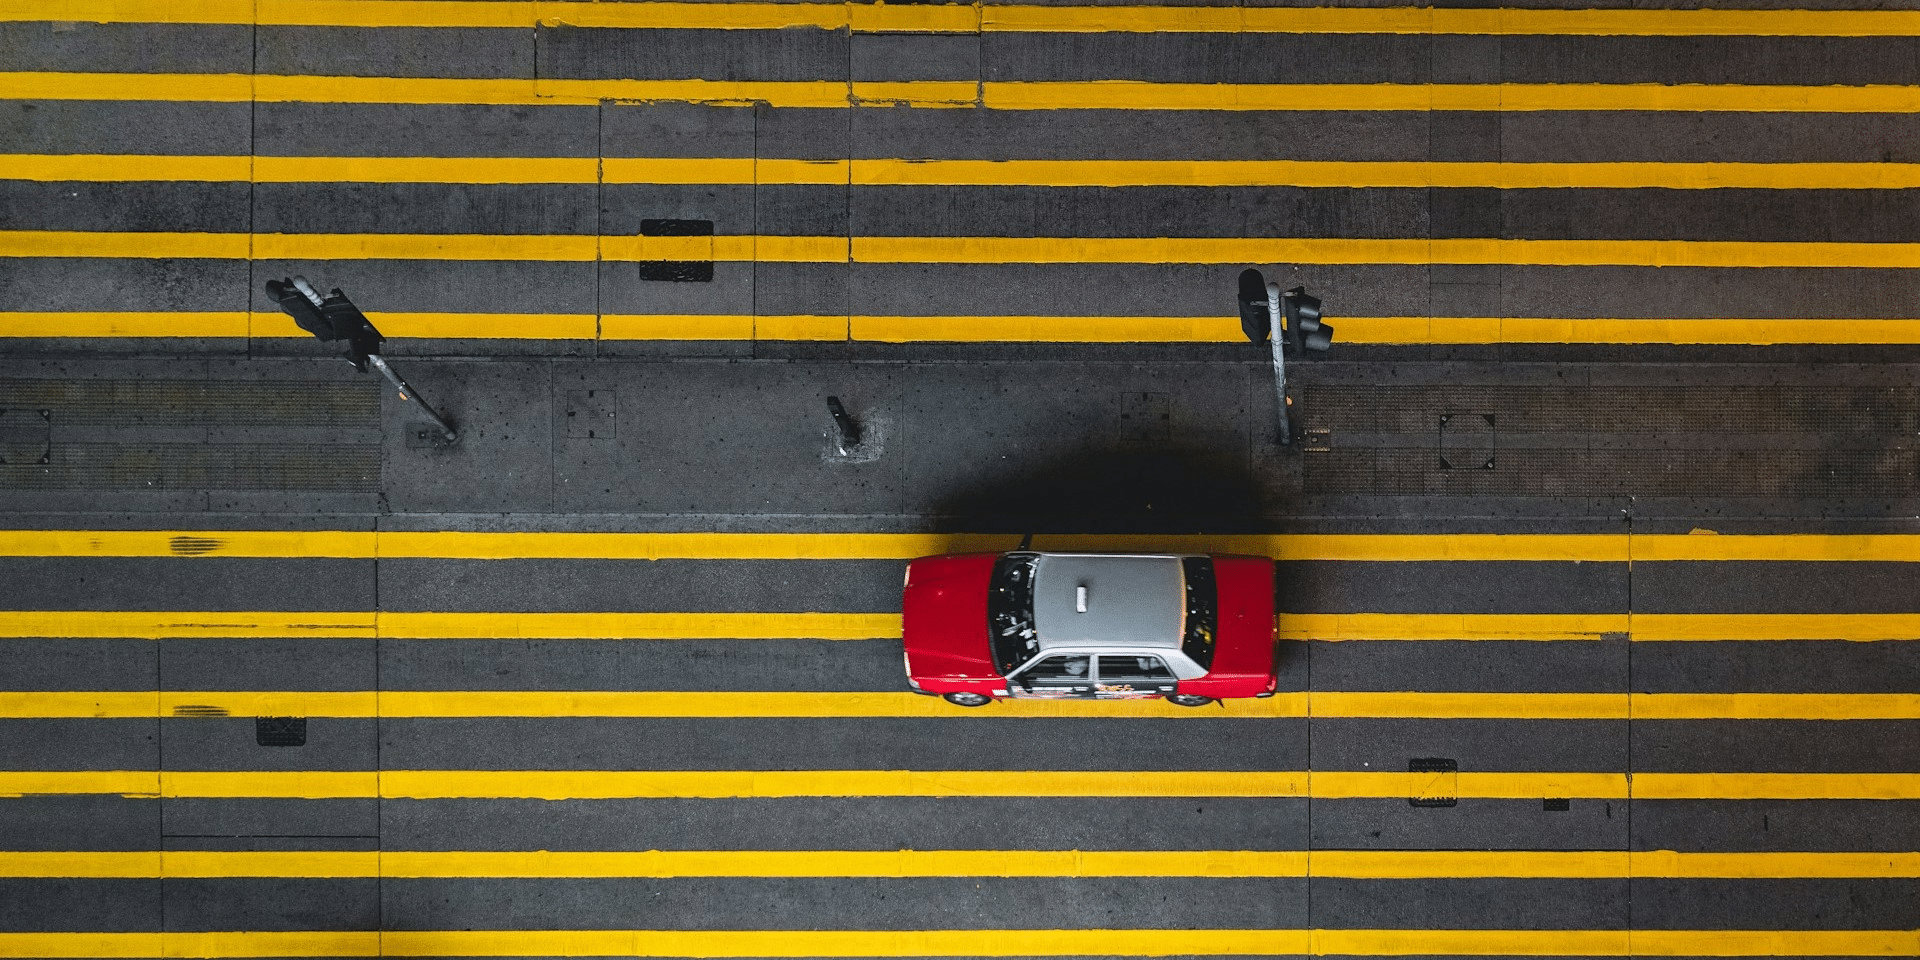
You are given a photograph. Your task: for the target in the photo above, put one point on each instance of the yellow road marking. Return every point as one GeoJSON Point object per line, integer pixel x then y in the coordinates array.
{"type": "Point", "coordinates": [585, 248]}
{"type": "Point", "coordinates": [990, 18]}
{"type": "Point", "coordinates": [641, 784]}
{"type": "Point", "coordinates": [885, 172]}
{"type": "Point", "coordinates": [875, 626]}
{"type": "Point", "coordinates": [978, 329]}
{"type": "Point", "coordinates": [970, 942]}
{"type": "Point", "coordinates": [600, 703]}
{"type": "Point", "coordinates": [471, 545]}
{"type": "Point", "coordinates": [1354, 864]}
{"type": "Point", "coordinates": [1068, 95]}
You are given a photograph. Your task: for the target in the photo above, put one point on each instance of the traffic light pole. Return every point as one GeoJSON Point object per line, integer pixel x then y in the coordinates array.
{"type": "Point", "coordinates": [1274, 317]}
{"type": "Point", "coordinates": [408, 393]}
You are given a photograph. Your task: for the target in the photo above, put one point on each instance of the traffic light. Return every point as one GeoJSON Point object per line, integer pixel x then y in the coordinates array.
{"type": "Point", "coordinates": [332, 317]}
{"type": "Point", "coordinates": [1254, 318]}
{"type": "Point", "coordinates": [1304, 328]}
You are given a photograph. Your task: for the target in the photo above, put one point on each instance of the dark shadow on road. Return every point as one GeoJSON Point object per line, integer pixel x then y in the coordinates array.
{"type": "Point", "coordinates": [1122, 488]}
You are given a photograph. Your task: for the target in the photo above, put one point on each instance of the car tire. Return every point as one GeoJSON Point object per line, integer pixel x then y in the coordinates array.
{"type": "Point", "coordinates": [1188, 700]}
{"type": "Point", "coordinates": [962, 698]}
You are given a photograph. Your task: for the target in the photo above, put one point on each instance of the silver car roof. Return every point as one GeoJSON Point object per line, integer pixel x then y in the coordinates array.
{"type": "Point", "coordinates": [1131, 600]}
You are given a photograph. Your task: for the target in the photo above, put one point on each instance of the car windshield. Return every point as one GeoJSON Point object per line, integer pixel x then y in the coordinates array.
{"type": "Point", "coordinates": [1010, 611]}
{"type": "Point", "coordinates": [1203, 610]}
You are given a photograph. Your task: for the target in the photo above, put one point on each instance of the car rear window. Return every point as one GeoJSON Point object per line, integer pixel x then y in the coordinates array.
{"type": "Point", "coordinates": [1203, 610]}
{"type": "Point", "coordinates": [1010, 611]}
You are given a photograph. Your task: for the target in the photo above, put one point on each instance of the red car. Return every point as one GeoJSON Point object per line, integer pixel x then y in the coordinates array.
{"type": "Point", "coordinates": [1056, 626]}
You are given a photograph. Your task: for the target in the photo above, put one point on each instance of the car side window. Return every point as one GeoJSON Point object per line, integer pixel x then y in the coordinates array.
{"type": "Point", "coordinates": [1063, 670]}
{"type": "Point", "coordinates": [1132, 669]}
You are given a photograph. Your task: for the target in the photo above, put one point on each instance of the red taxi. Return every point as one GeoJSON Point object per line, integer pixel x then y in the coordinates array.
{"type": "Point", "coordinates": [1029, 624]}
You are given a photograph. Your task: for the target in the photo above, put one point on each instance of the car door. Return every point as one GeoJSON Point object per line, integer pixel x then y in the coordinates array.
{"type": "Point", "coordinates": [1133, 677]}
{"type": "Point", "coordinates": [1059, 677]}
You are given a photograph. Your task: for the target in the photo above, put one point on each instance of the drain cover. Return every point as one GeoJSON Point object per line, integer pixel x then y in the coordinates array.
{"type": "Point", "coordinates": [280, 731]}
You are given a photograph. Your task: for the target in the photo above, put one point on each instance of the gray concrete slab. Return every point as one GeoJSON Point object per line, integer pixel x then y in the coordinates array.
{"type": "Point", "coordinates": [77, 664]}
{"type": "Point", "coordinates": [271, 903]}
{"type": "Point", "coordinates": [271, 663]}
{"type": "Point", "coordinates": [1804, 666]}
{"type": "Point", "coordinates": [1137, 211]}
{"type": "Point", "coordinates": [1484, 904]}
{"type": "Point", "coordinates": [1849, 904]}
{"type": "Point", "coordinates": [1869, 746]}
{"type": "Point", "coordinates": [1812, 61]}
{"type": "Point", "coordinates": [79, 744]}
{"type": "Point", "coordinates": [1451, 587]}
{"type": "Point", "coordinates": [510, 209]}
{"type": "Point", "coordinates": [821, 823]}
{"type": "Point", "coordinates": [1205, 57]}
{"type": "Point", "coordinates": [1493, 666]}
{"type": "Point", "coordinates": [232, 744]}
{"type": "Point", "coordinates": [79, 905]}
{"type": "Point", "coordinates": [425, 130]}
{"type": "Point", "coordinates": [204, 583]}
{"type": "Point", "coordinates": [139, 285]}
{"type": "Point", "coordinates": [427, 286]}
{"type": "Point", "coordinates": [206, 817]}
{"type": "Point", "coordinates": [124, 126]}
{"type": "Point", "coordinates": [1773, 587]}
{"type": "Point", "coordinates": [179, 206]}
{"type": "Point", "coordinates": [501, 461]}
{"type": "Point", "coordinates": [797, 54]}
{"type": "Point", "coordinates": [898, 57]}
{"type": "Point", "coordinates": [791, 665]}
{"type": "Point", "coordinates": [869, 743]}
{"type": "Point", "coordinates": [467, 52]}
{"type": "Point", "coordinates": [1775, 825]}
{"type": "Point", "coordinates": [1136, 135]}
{"type": "Point", "coordinates": [82, 47]}
{"type": "Point", "coordinates": [1474, 824]}
{"type": "Point", "coordinates": [669, 585]}
{"type": "Point", "coordinates": [984, 903]}
{"type": "Point", "coordinates": [680, 130]}
{"type": "Point", "coordinates": [1680, 137]}
{"type": "Point", "coordinates": [1386, 745]}
{"type": "Point", "coordinates": [66, 822]}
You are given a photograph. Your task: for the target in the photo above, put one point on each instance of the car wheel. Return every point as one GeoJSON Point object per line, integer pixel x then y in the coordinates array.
{"type": "Point", "coordinates": [969, 699]}
{"type": "Point", "coordinates": [1189, 700]}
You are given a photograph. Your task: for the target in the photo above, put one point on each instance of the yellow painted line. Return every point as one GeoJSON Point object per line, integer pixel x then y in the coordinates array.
{"type": "Point", "coordinates": [159, 624]}
{"type": "Point", "coordinates": [1776, 626]}
{"type": "Point", "coordinates": [1068, 95]}
{"type": "Point", "coordinates": [969, 18]}
{"type": "Point", "coordinates": [889, 172]}
{"type": "Point", "coordinates": [1322, 704]}
{"type": "Point", "coordinates": [582, 248]}
{"type": "Point", "coordinates": [967, 942]}
{"type": "Point", "coordinates": [1444, 626]}
{"type": "Point", "coordinates": [626, 784]}
{"type": "Point", "coordinates": [473, 545]}
{"type": "Point", "coordinates": [1775, 786]}
{"type": "Point", "coordinates": [1348, 864]}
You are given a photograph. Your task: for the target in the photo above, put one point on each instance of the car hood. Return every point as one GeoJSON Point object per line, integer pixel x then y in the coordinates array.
{"type": "Point", "coordinates": [944, 616]}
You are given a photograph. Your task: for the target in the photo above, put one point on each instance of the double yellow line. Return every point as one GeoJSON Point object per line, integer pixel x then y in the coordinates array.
{"type": "Point", "coordinates": [723, 784]}
{"type": "Point", "coordinates": [977, 17]}
{"type": "Point", "coordinates": [997, 95]}
{"type": "Point", "coordinates": [967, 942]}
{"type": "Point", "coordinates": [1322, 704]}
{"type": "Point", "coordinates": [1343, 864]}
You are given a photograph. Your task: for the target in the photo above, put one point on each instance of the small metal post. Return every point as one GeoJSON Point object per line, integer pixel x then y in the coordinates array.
{"type": "Point", "coordinates": [408, 393]}
{"type": "Point", "coordinates": [1275, 318]}
{"type": "Point", "coordinates": [849, 428]}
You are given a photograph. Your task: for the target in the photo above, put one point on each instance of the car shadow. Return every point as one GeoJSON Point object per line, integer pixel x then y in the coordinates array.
{"type": "Point", "coordinates": [1130, 488]}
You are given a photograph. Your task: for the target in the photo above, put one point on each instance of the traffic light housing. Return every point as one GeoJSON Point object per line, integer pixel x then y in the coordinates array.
{"type": "Point", "coordinates": [1255, 320]}
{"type": "Point", "coordinates": [332, 317]}
{"type": "Point", "coordinates": [1304, 328]}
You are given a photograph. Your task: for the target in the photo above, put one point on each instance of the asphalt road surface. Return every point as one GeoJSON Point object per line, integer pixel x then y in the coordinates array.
{"type": "Point", "coordinates": [1597, 578]}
